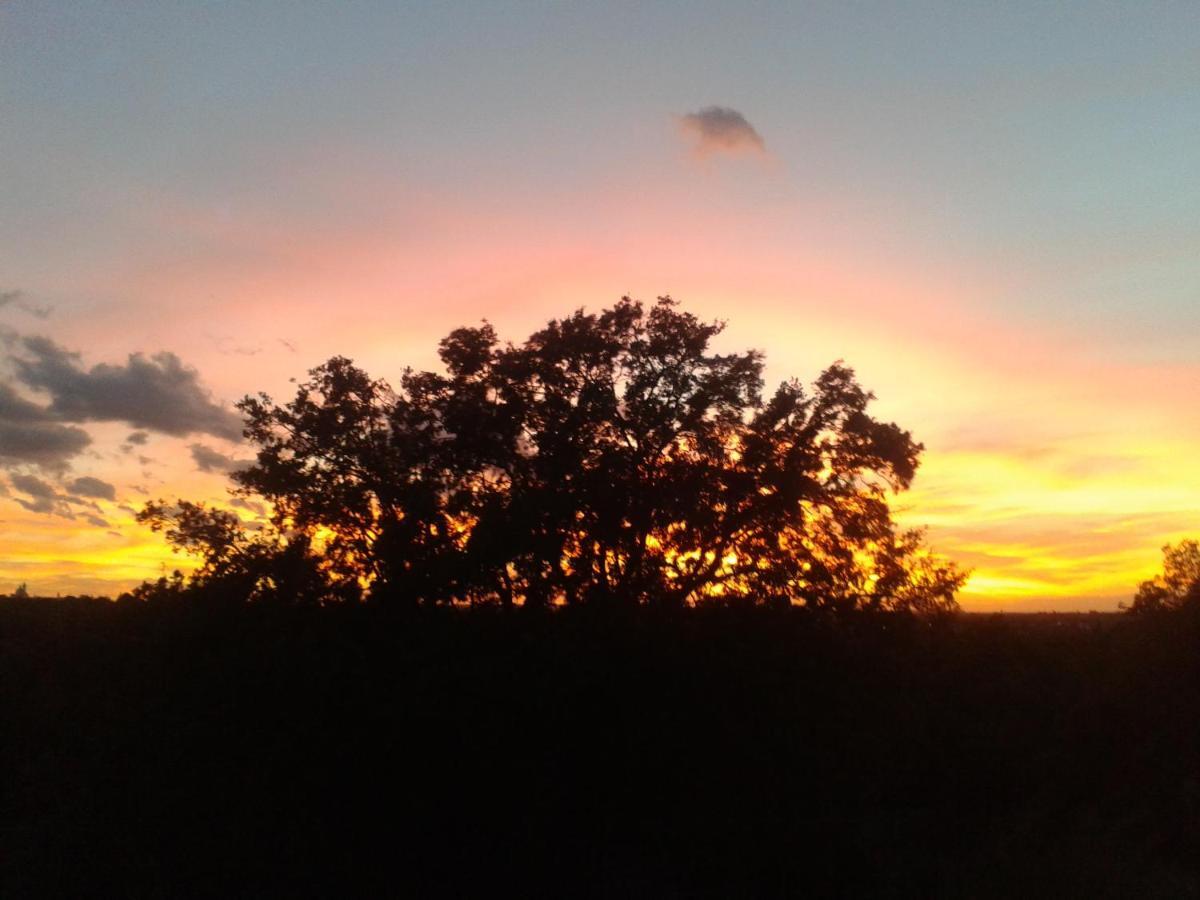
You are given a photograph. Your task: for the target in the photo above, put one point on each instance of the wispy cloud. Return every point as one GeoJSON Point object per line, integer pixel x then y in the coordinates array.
{"type": "Point", "coordinates": [16, 300]}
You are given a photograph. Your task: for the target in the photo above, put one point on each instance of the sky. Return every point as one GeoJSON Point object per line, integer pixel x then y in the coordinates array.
{"type": "Point", "coordinates": [988, 210]}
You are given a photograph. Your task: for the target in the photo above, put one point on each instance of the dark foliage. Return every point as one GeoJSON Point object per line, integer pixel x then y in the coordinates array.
{"type": "Point", "coordinates": [612, 459]}
{"type": "Point", "coordinates": [1177, 587]}
{"type": "Point", "coordinates": [158, 750]}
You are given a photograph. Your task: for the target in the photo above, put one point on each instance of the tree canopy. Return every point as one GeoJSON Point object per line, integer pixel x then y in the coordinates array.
{"type": "Point", "coordinates": [612, 458]}
{"type": "Point", "coordinates": [1177, 586]}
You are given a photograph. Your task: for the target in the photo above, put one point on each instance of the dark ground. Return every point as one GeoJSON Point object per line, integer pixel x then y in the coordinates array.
{"type": "Point", "coordinates": [159, 752]}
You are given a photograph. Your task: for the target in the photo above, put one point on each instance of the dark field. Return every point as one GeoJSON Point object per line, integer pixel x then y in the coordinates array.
{"type": "Point", "coordinates": [169, 752]}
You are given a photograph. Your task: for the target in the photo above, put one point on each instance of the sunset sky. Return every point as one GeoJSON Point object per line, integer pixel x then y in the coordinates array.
{"type": "Point", "coordinates": [990, 211]}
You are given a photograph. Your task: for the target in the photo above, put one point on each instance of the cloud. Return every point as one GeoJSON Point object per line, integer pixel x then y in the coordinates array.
{"type": "Point", "coordinates": [29, 434]}
{"type": "Point", "coordinates": [34, 486]}
{"type": "Point", "coordinates": [209, 460]}
{"type": "Point", "coordinates": [92, 487]}
{"type": "Point", "coordinates": [719, 129]}
{"type": "Point", "coordinates": [16, 300]}
{"type": "Point", "coordinates": [229, 348]}
{"type": "Point", "coordinates": [42, 444]}
{"type": "Point", "coordinates": [135, 439]}
{"type": "Point", "coordinates": [157, 393]}
{"type": "Point", "coordinates": [250, 505]}
{"type": "Point", "coordinates": [43, 497]}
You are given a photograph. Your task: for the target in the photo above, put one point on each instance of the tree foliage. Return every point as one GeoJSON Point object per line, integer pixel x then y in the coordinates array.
{"type": "Point", "coordinates": [612, 458]}
{"type": "Point", "coordinates": [238, 563]}
{"type": "Point", "coordinates": [1177, 586]}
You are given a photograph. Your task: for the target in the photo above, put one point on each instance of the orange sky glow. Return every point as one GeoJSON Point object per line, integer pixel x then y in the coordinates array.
{"type": "Point", "coordinates": [998, 238]}
{"type": "Point", "coordinates": [1052, 472]}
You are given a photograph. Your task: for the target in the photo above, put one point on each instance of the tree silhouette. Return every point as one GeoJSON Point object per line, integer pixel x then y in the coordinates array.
{"type": "Point", "coordinates": [612, 459]}
{"type": "Point", "coordinates": [1177, 586]}
{"type": "Point", "coordinates": [239, 564]}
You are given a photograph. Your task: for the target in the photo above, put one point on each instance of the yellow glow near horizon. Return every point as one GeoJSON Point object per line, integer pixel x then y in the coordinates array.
{"type": "Point", "coordinates": [1067, 522]}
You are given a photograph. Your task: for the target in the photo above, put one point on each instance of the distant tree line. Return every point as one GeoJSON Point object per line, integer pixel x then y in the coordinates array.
{"type": "Point", "coordinates": [612, 458]}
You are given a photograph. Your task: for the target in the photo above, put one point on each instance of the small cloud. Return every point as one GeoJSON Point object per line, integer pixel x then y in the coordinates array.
{"type": "Point", "coordinates": [249, 505]}
{"type": "Point", "coordinates": [45, 505]}
{"type": "Point", "coordinates": [96, 520]}
{"type": "Point", "coordinates": [227, 346]}
{"type": "Point", "coordinates": [80, 501]}
{"type": "Point", "coordinates": [134, 440]}
{"type": "Point", "coordinates": [209, 460]}
{"type": "Point", "coordinates": [33, 486]}
{"type": "Point", "coordinates": [16, 300]}
{"type": "Point", "coordinates": [92, 487]}
{"type": "Point", "coordinates": [719, 129]}
{"type": "Point", "coordinates": [42, 496]}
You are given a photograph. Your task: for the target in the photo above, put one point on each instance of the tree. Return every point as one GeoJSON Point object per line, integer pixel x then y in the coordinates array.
{"type": "Point", "coordinates": [270, 565]}
{"type": "Point", "coordinates": [1177, 586]}
{"type": "Point", "coordinates": [613, 458]}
